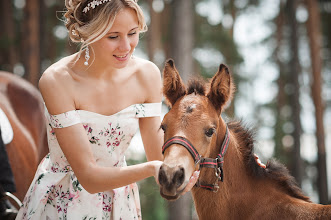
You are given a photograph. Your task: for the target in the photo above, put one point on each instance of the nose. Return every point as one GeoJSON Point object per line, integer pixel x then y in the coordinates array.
{"type": "Point", "coordinates": [171, 178]}
{"type": "Point", "coordinates": [125, 44]}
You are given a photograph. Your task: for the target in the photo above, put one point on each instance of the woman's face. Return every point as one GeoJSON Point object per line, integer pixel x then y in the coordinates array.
{"type": "Point", "coordinates": [118, 45]}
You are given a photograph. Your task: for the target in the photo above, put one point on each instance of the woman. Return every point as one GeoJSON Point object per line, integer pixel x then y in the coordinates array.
{"type": "Point", "coordinates": [95, 102]}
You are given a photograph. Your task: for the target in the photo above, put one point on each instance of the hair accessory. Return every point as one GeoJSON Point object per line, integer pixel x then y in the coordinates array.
{"type": "Point", "coordinates": [87, 56]}
{"type": "Point", "coordinates": [93, 4]}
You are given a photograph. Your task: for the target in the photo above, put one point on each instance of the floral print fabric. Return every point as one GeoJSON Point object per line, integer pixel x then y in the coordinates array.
{"type": "Point", "coordinates": [55, 192]}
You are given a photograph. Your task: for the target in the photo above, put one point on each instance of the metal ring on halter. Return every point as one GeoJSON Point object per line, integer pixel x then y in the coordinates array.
{"type": "Point", "coordinates": [218, 174]}
{"type": "Point", "coordinates": [215, 186]}
{"type": "Point", "coordinates": [218, 171]}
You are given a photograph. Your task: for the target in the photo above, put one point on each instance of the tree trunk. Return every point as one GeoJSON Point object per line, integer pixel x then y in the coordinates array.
{"type": "Point", "coordinates": [314, 34]}
{"type": "Point", "coordinates": [230, 111]}
{"type": "Point", "coordinates": [281, 95]}
{"type": "Point", "coordinates": [154, 46]}
{"type": "Point", "coordinates": [32, 41]}
{"type": "Point", "coordinates": [182, 37]}
{"type": "Point", "coordinates": [181, 51]}
{"type": "Point", "coordinates": [8, 54]}
{"type": "Point", "coordinates": [297, 165]}
{"type": "Point", "coordinates": [166, 27]}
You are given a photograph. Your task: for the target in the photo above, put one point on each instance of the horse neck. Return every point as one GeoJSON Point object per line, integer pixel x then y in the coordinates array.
{"type": "Point", "coordinates": [242, 194]}
{"type": "Point", "coordinates": [239, 189]}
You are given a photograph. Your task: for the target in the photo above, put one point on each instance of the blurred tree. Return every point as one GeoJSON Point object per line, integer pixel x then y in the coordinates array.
{"type": "Point", "coordinates": [216, 37]}
{"type": "Point", "coordinates": [325, 11]}
{"type": "Point", "coordinates": [154, 39]}
{"type": "Point", "coordinates": [281, 99]}
{"type": "Point", "coordinates": [286, 116]}
{"type": "Point", "coordinates": [314, 34]}
{"type": "Point", "coordinates": [233, 11]}
{"type": "Point", "coordinates": [182, 37]}
{"type": "Point", "coordinates": [31, 41]}
{"type": "Point", "coordinates": [47, 38]}
{"type": "Point", "coordinates": [8, 56]}
{"type": "Point", "coordinates": [165, 29]}
{"type": "Point", "coordinates": [294, 71]}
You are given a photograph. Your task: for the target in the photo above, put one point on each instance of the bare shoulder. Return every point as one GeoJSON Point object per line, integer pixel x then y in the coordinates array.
{"type": "Point", "coordinates": [150, 77]}
{"type": "Point", "coordinates": [55, 86]}
{"type": "Point", "coordinates": [147, 68]}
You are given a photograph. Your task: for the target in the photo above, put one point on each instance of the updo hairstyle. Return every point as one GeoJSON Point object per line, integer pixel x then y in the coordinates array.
{"type": "Point", "coordinates": [91, 26]}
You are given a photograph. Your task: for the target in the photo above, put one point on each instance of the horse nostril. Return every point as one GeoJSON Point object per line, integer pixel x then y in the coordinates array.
{"type": "Point", "coordinates": [179, 177]}
{"type": "Point", "coordinates": [162, 176]}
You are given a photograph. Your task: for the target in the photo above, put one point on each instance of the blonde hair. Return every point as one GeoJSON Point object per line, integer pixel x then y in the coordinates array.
{"type": "Point", "coordinates": [87, 28]}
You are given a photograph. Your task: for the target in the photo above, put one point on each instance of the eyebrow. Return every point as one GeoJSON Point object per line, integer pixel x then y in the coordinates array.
{"type": "Point", "coordinates": [119, 32]}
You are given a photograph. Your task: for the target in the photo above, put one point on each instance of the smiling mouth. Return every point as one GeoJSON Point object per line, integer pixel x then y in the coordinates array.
{"type": "Point", "coordinates": [117, 56]}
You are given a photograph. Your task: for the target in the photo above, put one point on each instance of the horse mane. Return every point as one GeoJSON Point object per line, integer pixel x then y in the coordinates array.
{"type": "Point", "coordinates": [274, 170]}
{"type": "Point", "coordinates": [196, 86]}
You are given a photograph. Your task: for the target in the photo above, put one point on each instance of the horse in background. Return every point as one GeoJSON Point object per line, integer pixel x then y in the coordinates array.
{"type": "Point", "coordinates": [23, 105]}
{"type": "Point", "coordinates": [233, 184]}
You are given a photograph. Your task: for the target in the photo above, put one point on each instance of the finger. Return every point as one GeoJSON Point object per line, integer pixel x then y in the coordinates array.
{"type": "Point", "coordinates": [193, 179]}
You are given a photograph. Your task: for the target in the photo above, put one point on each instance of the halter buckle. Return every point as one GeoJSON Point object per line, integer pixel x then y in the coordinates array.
{"type": "Point", "coordinates": [218, 173]}
{"type": "Point", "coordinates": [216, 187]}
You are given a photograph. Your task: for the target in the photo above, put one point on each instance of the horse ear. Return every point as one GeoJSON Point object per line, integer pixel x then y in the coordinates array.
{"type": "Point", "coordinates": [173, 86]}
{"type": "Point", "coordinates": [221, 88]}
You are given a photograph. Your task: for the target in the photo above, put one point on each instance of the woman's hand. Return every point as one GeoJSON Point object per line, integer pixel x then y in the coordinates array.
{"type": "Point", "coordinates": [193, 179]}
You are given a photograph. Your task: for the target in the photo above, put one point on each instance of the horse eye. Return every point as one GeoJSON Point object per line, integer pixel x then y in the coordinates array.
{"type": "Point", "coordinates": [210, 132]}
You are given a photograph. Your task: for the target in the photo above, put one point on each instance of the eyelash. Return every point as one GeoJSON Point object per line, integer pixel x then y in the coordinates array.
{"type": "Point", "coordinates": [131, 34]}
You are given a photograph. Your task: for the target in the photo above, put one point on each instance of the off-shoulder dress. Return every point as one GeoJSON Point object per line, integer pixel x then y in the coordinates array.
{"type": "Point", "coordinates": [55, 192]}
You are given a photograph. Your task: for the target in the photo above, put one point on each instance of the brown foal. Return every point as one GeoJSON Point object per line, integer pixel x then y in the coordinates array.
{"type": "Point", "coordinates": [232, 184]}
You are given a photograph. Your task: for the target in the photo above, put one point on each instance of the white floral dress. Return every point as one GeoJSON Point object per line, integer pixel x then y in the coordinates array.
{"type": "Point", "coordinates": [55, 192]}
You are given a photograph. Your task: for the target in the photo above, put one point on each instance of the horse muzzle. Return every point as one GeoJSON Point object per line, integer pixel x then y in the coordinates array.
{"type": "Point", "coordinates": [172, 181]}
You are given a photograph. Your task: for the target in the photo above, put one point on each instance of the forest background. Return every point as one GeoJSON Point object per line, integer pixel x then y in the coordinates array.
{"type": "Point", "coordinates": [279, 52]}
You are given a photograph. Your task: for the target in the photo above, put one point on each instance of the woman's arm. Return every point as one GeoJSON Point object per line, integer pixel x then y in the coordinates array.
{"type": "Point", "coordinates": [151, 133]}
{"type": "Point", "coordinates": [76, 147]}
{"type": "Point", "coordinates": [56, 90]}
{"type": "Point", "coordinates": [152, 137]}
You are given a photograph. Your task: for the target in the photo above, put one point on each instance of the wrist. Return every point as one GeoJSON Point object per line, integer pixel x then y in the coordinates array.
{"type": "Point", "coordinates": [154, 167]}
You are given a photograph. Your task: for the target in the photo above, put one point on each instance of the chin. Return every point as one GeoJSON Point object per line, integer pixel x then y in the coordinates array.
{"type": "Point", "coordinates": [121, 65]}
{"type": "Point", "coordinates": [170, 198]}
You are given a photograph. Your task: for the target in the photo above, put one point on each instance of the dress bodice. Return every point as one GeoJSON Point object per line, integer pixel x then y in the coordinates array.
{"type": "Point", "coordinates": [109, 136]}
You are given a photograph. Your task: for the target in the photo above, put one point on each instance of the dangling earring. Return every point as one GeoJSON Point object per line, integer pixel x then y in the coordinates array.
{"type": "Point", "coordinates": [132, 53]}
{"type": "Point", "coordinates": [87, 56]}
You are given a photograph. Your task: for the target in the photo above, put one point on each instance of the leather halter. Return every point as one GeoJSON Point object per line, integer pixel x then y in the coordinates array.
{"type": "Point", "coordinates": [216, 163]}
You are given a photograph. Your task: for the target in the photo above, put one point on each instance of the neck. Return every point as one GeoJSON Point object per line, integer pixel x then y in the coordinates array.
{"type": "Point", "coordinates": [241, 195]}
{"type": "Point", "coordinates": [234, 176]}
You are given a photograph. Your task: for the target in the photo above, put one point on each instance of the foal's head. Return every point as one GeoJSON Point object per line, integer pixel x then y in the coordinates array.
{"type": "Point", "coordinates": [195, 115]}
